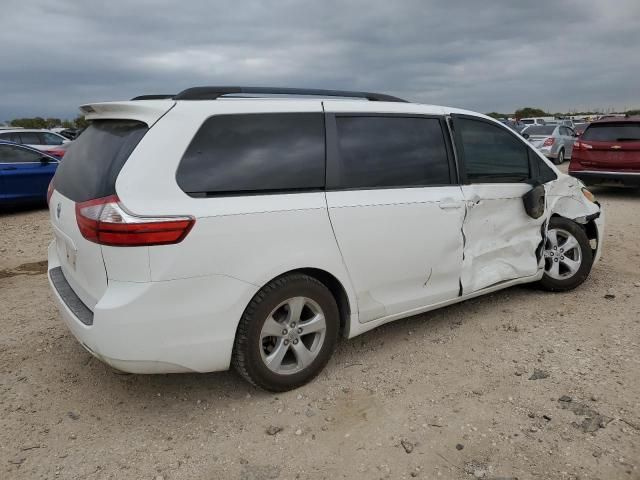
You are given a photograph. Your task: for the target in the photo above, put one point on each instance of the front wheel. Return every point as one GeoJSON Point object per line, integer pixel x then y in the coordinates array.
{"type": "Point", "coordinates": [287, 333]}
{"type": "Point", "coordinates": [567, 256]}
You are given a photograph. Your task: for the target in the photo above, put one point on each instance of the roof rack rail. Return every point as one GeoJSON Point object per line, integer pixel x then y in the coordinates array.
{"type": "Point", "coordinates": [213, 93]}
{"type": "Point", "coordinates": [153, 97]}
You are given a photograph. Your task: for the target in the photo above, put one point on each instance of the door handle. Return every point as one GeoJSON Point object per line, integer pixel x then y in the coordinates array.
{"type": "Point", "coordinates": [447, 204]}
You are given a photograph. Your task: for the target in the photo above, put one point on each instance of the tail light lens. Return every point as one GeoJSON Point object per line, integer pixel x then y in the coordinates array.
{"type": "Point", "coordinates": [548, 142]}
{"type": "Point", "coordinates": [578, 145]}
{"type": "Point", "coordinates": [58, 153]}
{"type": "Point", "coordinates": [49, 191]}
{"type": "Point", "coordinates": [107, 222]}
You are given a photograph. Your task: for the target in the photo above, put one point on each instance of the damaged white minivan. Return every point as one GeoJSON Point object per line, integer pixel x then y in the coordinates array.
{"type": "Point", "coordinates": [254, 226]}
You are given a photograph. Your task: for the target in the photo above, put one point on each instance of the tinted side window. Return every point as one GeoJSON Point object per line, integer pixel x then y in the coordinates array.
{"type": "Point", "coordinates": [391, 152]}
{"type": "Point", "coordinates": [255, 153]}
{"type": "Point", "coordinates": [9, 154]}
{"type": "Point", "coordinates": [30, 138]}
{"type": "Point", "coordinates": [50, 139]}
{"type": "Point", "coordinates": [491, 153]}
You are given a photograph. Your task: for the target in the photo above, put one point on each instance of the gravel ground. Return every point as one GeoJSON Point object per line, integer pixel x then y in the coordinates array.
{"type": "Point", "coordinates": [518, 384]}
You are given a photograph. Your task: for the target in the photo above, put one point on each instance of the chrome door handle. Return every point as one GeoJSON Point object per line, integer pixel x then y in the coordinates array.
{"type": "Point", "coordinates": [449, 204]}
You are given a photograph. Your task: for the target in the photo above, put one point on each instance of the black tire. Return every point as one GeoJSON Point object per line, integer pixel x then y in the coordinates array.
{"type": "Point", "coordinates": [247, 356]}
{"type": "Point", "coordinates": [560, 158]}
{"type": "Point", "coordinates": [586, 257]}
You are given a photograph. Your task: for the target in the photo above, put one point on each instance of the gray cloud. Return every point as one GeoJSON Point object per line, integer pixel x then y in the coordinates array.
{"type": "Point", "coordinates": [499, 55]}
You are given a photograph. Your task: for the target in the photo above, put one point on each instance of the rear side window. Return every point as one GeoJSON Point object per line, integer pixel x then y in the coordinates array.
{"type": "Point", "coordinates": [492, 153]}
{"type": "Point", "coordinates": [384, 152]}
{"type": "Point", "coordinates": [253, 153]}
{"type": "Point", "coordinates": [93, 161]}
{"type": "Point", "coordinates": [613, 132]}
{"type": "Point", "coordinates": [50, 139]}
{"type": "Point", "coordinates": [30, 138]}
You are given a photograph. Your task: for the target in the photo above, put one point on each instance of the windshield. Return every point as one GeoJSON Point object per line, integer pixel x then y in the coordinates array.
{"type": "Point", "coordinates": [613, 132]}
{"type": "Point", "coordinates": [539, 130]}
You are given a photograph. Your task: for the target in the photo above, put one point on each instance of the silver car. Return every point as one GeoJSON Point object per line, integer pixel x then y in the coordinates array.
{"type": "Point", "coordinates": [554, 141]}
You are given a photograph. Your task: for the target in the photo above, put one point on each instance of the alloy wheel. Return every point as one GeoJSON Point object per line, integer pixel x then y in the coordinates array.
{"type": "Point", "coordinates": [292, 335]}
{"type": "Point", "coordinates": [562, 254]}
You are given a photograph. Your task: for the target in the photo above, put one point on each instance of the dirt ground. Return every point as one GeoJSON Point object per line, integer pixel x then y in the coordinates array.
{"type": "Point", "coordinates": [449, 394]}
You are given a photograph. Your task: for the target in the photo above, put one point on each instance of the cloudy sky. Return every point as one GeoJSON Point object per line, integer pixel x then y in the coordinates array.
{"type": "Point", "coordinates": [479, 54]}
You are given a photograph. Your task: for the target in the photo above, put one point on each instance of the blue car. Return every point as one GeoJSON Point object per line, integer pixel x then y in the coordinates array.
{"type": "Point", "coordinates": [25, 173]}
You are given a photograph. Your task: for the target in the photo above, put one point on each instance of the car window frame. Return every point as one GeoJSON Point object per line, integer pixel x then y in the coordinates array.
{"type": "Point", "coordinates": [35, 152]}
{"type": "Point", "coordinates": [532, 156]}
{"type": "Point", "coordinates": [259, 192]}
{"type": "Point", "coordinates": [333, 157]}
{"type": "Point", "coordinates": [43, 139]}
{"type": "Point", "coordinates": [35, 133]}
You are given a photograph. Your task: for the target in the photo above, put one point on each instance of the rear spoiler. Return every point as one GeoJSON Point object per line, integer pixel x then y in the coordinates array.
{"type": "Point", "coordinates": [148, 111]}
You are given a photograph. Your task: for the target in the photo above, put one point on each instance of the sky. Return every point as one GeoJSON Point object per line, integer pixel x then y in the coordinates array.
{"type": "Point", "coordinates": [481, 55]}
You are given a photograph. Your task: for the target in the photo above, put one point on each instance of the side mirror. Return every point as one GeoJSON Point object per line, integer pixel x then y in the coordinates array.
{"type": "Point", "coordinates": [534, 201]}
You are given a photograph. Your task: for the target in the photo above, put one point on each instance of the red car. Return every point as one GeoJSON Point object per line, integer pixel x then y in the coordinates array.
{"type": "Point", "coordinates": [608, 152]}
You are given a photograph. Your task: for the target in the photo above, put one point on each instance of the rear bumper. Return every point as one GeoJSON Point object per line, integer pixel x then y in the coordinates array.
{"type": "Point", "coordinates": [159, 327]}
{"type": "Point", "coordinates": [594, 177]}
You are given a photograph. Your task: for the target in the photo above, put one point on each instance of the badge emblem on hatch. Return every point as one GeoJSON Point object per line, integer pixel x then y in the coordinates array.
{"type": "Point", "coordinates": [616, 147]}
{"type": "Point", "coordinates": [58, 209]}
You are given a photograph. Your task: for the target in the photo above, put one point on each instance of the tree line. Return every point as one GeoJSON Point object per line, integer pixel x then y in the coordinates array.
{"type": "Point", "coordinates": [52, 122]}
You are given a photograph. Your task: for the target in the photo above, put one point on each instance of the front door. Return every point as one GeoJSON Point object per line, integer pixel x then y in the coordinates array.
{"type": "Point", "coordinates": [501, 239]}
{"type": "Point", "coordinates": [395, 209]}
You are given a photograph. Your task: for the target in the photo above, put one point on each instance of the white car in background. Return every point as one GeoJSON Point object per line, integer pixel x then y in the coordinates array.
{"type": "Point", "coordinates": [43, 140]}
{"type": "Point", "coordinates": [203, 230]}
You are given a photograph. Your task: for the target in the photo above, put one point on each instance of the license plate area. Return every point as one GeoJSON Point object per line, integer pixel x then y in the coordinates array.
{"type": "Point", "coordinates": [66, 251]}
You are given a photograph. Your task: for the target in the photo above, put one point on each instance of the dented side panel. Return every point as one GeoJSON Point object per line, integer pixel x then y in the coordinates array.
{"type": "Point", "coordinates": [500, 238]}
{"type": "Point", "coordinates": [402, 247]}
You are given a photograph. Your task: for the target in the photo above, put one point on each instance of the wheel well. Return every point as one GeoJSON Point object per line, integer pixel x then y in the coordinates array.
{"type": "Point", "coordinates": [336, 289]}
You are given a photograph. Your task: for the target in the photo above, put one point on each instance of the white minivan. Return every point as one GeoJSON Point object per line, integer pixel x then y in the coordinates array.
{"type": "Point", "coordinates": [254, 226]}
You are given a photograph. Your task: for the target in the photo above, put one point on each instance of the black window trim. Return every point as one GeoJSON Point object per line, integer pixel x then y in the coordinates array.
{"type": "Point", "coordinates": [262, 192]}
{"type": "Point", "coordinates": [19, 146]}
{"type": "Point", "coordinates": [534, 168]}
{"type": "Point", "coordinates": [333, 163]}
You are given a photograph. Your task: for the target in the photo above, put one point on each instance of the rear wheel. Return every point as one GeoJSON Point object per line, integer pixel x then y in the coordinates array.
{"type": "Point", "coordinates": [287, 333]}
{"type": "Point", "coordinates": [567, 256]}
{"type": "Point", "coordinates": [560, 159]}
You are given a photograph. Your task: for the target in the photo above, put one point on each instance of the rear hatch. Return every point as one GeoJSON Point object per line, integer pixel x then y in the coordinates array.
{"type": "Point", "coordinates": [610, 146]}
{"type": "Point", "coordinates": [88, 172]}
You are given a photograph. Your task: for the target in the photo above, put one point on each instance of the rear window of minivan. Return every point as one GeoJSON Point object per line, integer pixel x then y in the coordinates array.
{"type": "Point", "coordinates": [255, 153]}
{"type": "Point", "coordinates": [93, 161]}
{"type": "Point", "coordinates": [613, 132]}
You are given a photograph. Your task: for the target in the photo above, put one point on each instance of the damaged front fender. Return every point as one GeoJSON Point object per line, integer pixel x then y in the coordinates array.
{"type": "Point", "coordinates": [565, 198]}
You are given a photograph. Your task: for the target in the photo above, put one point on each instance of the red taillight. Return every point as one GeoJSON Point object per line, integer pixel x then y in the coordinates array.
{"type": "Point", "coordinates": [578, 145]}
{"type": "Point", "coordinates": [107, 222]}
{"type": "Point", "coordinates": [58, 153]}
{"type": "Point", "coordinates": [49, 191]}
{"type": "Point", "coordinates": [548, 142]}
